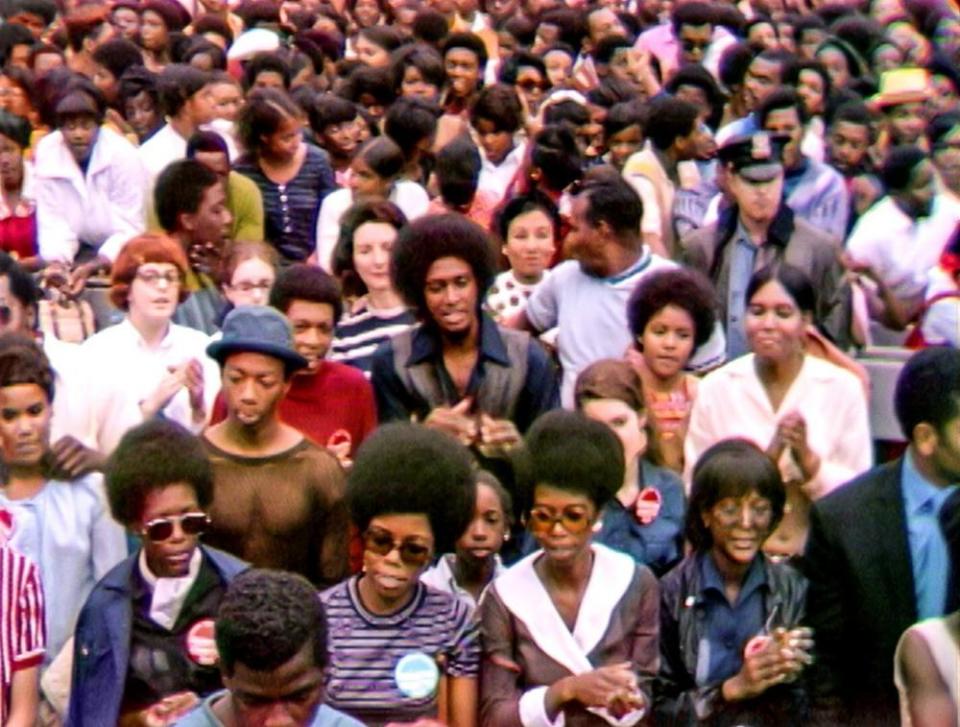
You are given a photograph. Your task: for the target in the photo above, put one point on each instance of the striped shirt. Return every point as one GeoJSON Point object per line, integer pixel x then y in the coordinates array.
{"type": "Point", "coordinates": [365, 649]}
{"type": "Point", "coordinates": [21, 620]}
{"type": "Point", "coordinates": [359, 333]}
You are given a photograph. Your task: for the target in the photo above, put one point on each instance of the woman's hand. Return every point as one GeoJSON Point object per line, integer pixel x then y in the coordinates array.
{"type": "Point", "coordinates": [769, 661]}
{"type": "Point", "coordinates": [792, 430]}
{"type": "Point", "coordinates": [186, 374]}
{"type": "Point", "coordinates": [614, 687]}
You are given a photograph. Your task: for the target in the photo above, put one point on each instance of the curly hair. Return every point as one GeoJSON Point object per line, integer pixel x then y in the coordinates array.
{"type": "Point", "coordinates": [406, 468]}
{"type": "Point", "coordinates": [266, 618]}
{"type": "Point", "coordinates": [428, 239]}
{"type": "Point", "coordinates": [152, 456]}
{"type": "Point", "coordinates": [681, 287]}
{"type": "Point", "coordinates": [571, 452]}
{"type": "Point", "coordinates": [23, 362]}
{"type": "Point", "coordinates": [731, 468]}
{"type": "Point", "coordinates": [306, 282]}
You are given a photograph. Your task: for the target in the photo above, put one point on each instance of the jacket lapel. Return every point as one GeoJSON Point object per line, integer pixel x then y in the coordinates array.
{"type": "Point", "coordinates": [888, 516]}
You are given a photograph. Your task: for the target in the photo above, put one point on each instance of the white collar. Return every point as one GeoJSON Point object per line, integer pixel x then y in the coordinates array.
{"type": "Point", "coordinates": [169, 594]}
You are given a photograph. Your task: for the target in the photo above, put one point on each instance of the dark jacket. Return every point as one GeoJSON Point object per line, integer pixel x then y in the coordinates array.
{"type": "Point", "coordinates": [790, 240]}
{"type": "Point", "coordinates": [677, 698]}
{"type": "Point", "coordinates": [861, 598]}
{"type": "Point", "coordinates": [102, 643]}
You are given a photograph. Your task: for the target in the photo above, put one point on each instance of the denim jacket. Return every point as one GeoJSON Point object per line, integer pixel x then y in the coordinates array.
{"type": "Point", "coordinates": [102, 642]}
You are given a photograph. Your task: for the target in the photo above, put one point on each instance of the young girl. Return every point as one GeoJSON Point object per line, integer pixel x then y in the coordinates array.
{"type": "Point", "coordinates": [476, 562]}
{"type": "Point", "coordinates": [670, 314]}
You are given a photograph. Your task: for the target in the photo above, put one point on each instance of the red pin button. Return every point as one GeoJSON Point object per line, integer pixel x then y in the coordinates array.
{"type": "Point", "coordinates": [201, 646]}
{"type": "Point", "coordinates": [648, 505]}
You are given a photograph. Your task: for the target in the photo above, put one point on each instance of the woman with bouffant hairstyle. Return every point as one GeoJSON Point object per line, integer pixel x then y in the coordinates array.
{"type": "Point", "coordinates": [147, 366]}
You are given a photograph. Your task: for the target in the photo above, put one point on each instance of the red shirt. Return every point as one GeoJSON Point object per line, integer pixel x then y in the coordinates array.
{"type": "Point", "coordinates": [335, 397]}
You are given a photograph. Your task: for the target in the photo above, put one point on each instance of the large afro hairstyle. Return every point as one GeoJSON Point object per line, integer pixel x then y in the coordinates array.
{"type": "Point", "coordinates": [406, 468]}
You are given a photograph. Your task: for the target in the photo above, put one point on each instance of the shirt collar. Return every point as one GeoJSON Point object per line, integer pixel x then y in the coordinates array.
{"type": "Point", "coordinates": [644, 260]}
{"type": "Point", "coordinates": [711, 580]}
{"type": "Point", "coordinates": [166, 343]}
{"type": "Point", "coordinates": [920, 496]}
{"type": "Point", "coordinates": [426, 343]}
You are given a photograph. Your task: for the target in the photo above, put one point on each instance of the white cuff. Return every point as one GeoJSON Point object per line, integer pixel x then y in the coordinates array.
{"type": "Point", "coordinates": [627, 720]}
{"type": "Point", "coordinates": [533, 710]}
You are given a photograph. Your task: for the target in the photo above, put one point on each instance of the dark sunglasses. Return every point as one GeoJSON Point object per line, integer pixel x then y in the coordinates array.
{"type": "Point", "coordinates": [528, 84]}
{"type": "Point", "coordinates": [191, 523]}
{"type": "Point", "coordinates": [381, 542]}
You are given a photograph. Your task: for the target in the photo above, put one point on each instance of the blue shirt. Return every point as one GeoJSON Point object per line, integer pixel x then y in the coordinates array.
{"type": "Point", "coordinates": [929, 557]}
{"type": "Point", "coordinates": [728, 628]}
{"type": "Point", "coordinates": [743, 257]}
{"type": "Point", "coordinates": [657, 544]}
{"type": "Point", "coordinates": [202, 716]}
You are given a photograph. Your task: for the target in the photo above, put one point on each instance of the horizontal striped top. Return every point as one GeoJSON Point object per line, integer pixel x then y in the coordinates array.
{"type": "Point", "coordinates": [365, 649]}
{"type": "Point", "coordinates": [21, 620]}
{"type": "Point", "coordinates": [359, 333]}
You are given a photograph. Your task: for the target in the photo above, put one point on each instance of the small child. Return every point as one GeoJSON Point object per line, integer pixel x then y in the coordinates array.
{"type": "Point", "coordinates": [476, 562]}
{"type": "Point", "coordinates": [671, 313]}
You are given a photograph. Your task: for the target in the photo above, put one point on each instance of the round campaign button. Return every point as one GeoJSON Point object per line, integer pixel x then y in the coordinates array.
{"type": "Point", "coordinates": [417, 675]}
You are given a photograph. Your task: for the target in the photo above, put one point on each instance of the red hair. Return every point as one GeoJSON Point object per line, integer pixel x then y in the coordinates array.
{"type": "Point", "coordinates": [148, 248]}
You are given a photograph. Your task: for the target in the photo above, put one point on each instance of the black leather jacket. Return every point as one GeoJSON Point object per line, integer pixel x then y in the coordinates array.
{"type": "Point", "coordinates": [677, 698]}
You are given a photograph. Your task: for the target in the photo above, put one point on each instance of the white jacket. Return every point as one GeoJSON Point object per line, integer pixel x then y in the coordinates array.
{"type": "Point", "coordinates": [103, 208]}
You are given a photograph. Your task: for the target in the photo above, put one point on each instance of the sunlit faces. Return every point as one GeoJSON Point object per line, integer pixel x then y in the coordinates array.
{"type": "Point", "coordinates": [253, 386]}
{"type": "Point", "coordinates": [153, 32]}
{"type": "Point", "coordinates": [786, 122]}
{"type": "Point", "coordinates": [838, 68]}
{"type": "Point", "coordinates": [142, 114]}
{"type": "Point", "coordinates": [811, 90]}
{"type": "Point", "coordinates": [946, 158]}
{"type": "Point", "coordinates": [757, 201]}
{"type": "Point", "coordinates": [738, 527]}
{"type": "Point", "coordinates": [365, 182]}
{"type": "Point", "coordinates": [80, 133]}
{"type": "Point", "coordinates": [907, 121]}
{"type": "Point", "coordinates": [251, 283]}
{"type": "Point", "coordinates": [389, 578]}
{"type": "Point", "coordinates": [282, 145]}
{"type": "Point", "coordinates": [199, 107]}
{"type": "Point", "coordinates": [372, 243]}
{"type": "Point", "coordinates": [667, 341]}
{"type": "Point", "coordinates": [530, 245]}
{"type": "Point", "coordinates": [847, 146]}
{"type": "Point", "coordinates": [366, 13]}
{"type": "Point", "coordinates": [561, 522]}
{"type": "Point", "coordinates": [106, 83]}
{"type": "Point", "coordinates": [371, 54]}
{"type": "Point", "coordinates": [496, 143]}
{"type": "Point", "coordinates": [559, 67]}
{"type": "Point", "coordinates": [623, 144]}
{"type": "Point", "coordinates": [289, 695]}
{"type": "Point", "coordinates": [313, 325]}
{"type": "Point", "coordinates": [154, 292]}
{"type": "Point", "coordinates": [11, 163]}
{"type": "Point", "coordinates": [694, 41]}
{"type": "Point", "coordinates": [226, 100]}
{"type": "Point", "coordinates": [451, 295]}
{"type": "Point", "coordinates": [919, 194]}
{"type": "Point", "coordinates": [211, 222]}
{"type": "Point", "coordinates": [340, 139]}
{"type": "Point", "coordinates": [484, 537]}
{"type": "Point", "coordinates": [763, 77]}
{"type": "Point", "coordinates": [531, 86]}
{"type": "Point", "coordinates": [463, 71]}
{"type": "Point", "coordinates": [628, 424]}
{"type": "Point", "coordinates": [13, 98]}
{"type": "Point", "coordinates": [169, 558]}
{"type": "Point", "coordinates": [24, 424]}
{"type": "Point", "coordinates": [775, 326]}
{"type": "Point", "coordinates": [414, 85]}
{"type": "Point", "coordinates": [584, 241]}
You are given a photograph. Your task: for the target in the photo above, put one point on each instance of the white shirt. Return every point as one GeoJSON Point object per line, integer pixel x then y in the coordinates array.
{"type": "Point", "coordinates": [410, 197]}
{"type": "Point", "coordinates": [103, 208]}
{"type": "Point", "coordinates": [121, 371]}
{"type": "Point", "coordinates": [159, 150]}
{"type": "Point", "coordinates": [731, 402]}
{"type": "Point", "coordinates": [900, 249]}
{"type": "Point", "coordinates": [69, 413]}
{"type": "Point", "coordinates": [592, 316]}
{"type": "Point", "coordinates": [496, 178]}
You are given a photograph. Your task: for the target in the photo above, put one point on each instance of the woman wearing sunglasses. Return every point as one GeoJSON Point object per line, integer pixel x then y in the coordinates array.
{"type": "Point", "coordinates": [570, 632]}
{"type": "Point", "coordinates": [400, 650]}
{"type": "Point", "coordinates": [732, 651]}
{"type": "Point", "coordinates": [143, 650]}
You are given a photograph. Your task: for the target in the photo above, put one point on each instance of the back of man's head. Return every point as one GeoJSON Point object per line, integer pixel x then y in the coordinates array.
{"type": "Point", "coordinates": [614, 202]}
{"type": "Point", "coordinates": [268, 617]}
{"type": "Point", "coordinates": [180, 189]}
{"type": "Point", "coordinates": [928, 391]}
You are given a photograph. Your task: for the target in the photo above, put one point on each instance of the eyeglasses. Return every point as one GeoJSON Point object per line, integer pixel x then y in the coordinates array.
{"type": "Point", "coordinates": [528, 85]}
{"type": "Point", "coordinates": [381, 542]}
{"type": "Point", "coordinates": [247, 287]}
{"type": "Point", "coordinates": [153, 277]}
{"type": "Point", "coordinates": [543, 520]}
{"type": "Point", "coordinates": [191, 523]}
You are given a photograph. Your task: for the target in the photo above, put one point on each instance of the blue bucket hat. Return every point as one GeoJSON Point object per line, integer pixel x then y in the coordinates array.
{"type": "Point", "coordinates": [257, 329]}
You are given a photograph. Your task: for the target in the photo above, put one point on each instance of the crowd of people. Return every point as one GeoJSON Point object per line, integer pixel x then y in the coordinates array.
{"type": "Point", "coordinates": [478, 362]}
